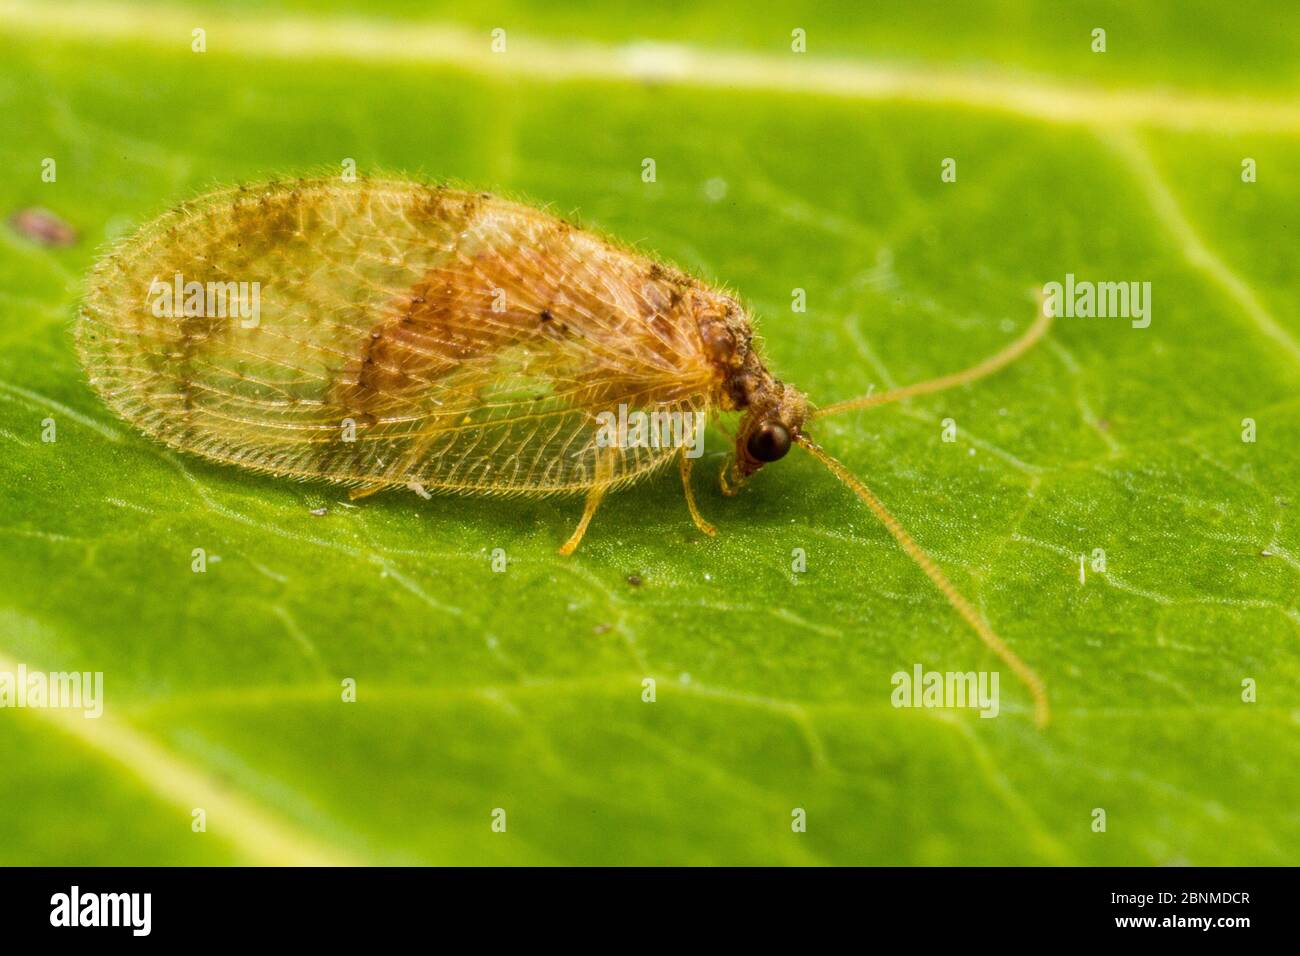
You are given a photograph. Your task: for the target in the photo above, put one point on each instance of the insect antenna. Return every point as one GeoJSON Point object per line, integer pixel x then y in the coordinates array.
{"type": "Point", "coordinates": [974, 373]}
{"type": "Point", "coordinates": [926, 563]}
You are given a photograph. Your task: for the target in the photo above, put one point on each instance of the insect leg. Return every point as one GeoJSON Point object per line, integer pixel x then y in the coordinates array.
{"type": "Point", "coordinates": [594, 498]}
{"type": "Point", "coordinates": [684, 464]}
{"type": "Point", "coordinates": [729, 488]}
{"type": "Point", "coordinates": [604, 471]}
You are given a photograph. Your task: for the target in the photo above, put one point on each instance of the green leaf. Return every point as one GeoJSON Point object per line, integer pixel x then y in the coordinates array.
{"type": "Point", "coordinates": [522, 690]}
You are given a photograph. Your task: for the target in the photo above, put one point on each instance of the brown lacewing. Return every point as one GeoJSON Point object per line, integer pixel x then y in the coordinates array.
{"type": "Point", "coordinates": [396, 334]}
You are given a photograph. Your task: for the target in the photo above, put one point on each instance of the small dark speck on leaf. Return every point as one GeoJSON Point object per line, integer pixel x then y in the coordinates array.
{"type": "Point", "coordinates": [634, 580]}
{"type": "Point", "coordinates": [43, 228]}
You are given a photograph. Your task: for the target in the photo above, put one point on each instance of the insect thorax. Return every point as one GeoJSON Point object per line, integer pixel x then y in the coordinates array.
{"type": "Point", "coordinates": [745, 383]}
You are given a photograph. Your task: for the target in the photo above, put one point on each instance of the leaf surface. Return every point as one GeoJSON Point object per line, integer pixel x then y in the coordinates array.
{"type": "Point", "coordinates": [523, 690]}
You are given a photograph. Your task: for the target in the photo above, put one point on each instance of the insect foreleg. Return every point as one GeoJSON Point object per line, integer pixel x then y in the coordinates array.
{"type": "Point", "coordinates": [726, 479]}
{"type": "Point", "coordinates": [684, 464]}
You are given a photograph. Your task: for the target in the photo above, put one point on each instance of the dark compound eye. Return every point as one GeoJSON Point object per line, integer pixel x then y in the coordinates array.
{"type": "Point", "coordinates": [770, 442]}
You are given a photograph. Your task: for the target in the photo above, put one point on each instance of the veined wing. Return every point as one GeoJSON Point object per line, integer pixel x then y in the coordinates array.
{"type": "Point", "coordinates": [383, 333]}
